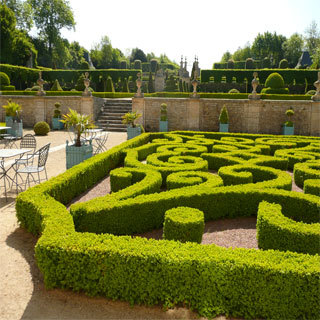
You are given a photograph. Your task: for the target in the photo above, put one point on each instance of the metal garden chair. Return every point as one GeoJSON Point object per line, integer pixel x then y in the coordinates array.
{"type": "Point", "coordinates": [31, 169]}
{"type": "Point", "coordinates": [100, 143]}
{"type": "Point", "coordinates": [28, 141]}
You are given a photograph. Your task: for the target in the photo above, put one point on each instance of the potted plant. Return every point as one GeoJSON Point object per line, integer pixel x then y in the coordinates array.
{"type": "Point", "coordinates": [56, 123]}
{"type": "Point", "coordinates": [224, 120]}
{"type": "Point", "coordinates": [13, 118]}
{"type": "Point", "coordinates": [163, 126]}
{"type": "Point", "coordinates": [288, 127]}
{"type": "Point", "coordinates": [80, 149]}
{"type": "Point", "coordinates": [129, 119]}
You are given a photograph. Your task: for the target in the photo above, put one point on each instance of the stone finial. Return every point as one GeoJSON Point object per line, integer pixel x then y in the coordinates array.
{"type": "Point", "coordinates": [139, 94]}
{"type": "Point", "coordinates": [40, 83]}
{"type": "Point", "coordinates": [86, 82]}
{"type": "Point", "coordinates": [195, 83]}
{"type": "Point", "coordinates": [316, 97]}
{"type": "Point", "coordinates": [254, 83]}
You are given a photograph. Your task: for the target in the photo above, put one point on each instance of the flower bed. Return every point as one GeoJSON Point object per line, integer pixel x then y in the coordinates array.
{"type": "Point", "coordinates": [89, 248]}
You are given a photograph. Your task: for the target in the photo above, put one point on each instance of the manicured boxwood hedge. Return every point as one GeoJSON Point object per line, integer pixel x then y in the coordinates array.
{"type": "Point", "coordinates": [238, 282]}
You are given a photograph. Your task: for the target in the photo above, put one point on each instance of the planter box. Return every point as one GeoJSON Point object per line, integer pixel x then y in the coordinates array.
{"type": "Point", "coordinates": [9, 122]}
{"type": "Point", "coordinates": [288, 131]}
{"type": "Point", "coordinates": [223, 127]}
{"type": "Point", "coordinates": [75, 155]}
{"type": "Point", "coordinates": [56, 124]}
{"type": "Point", "coordinates": [163, 126]}
{"type": "Point", "coordinates": [133, 132]}
{"type": "Point", "coordinates": [17, 129]}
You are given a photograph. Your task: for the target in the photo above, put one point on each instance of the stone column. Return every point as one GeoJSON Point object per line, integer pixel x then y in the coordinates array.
{"type": "Point", "coordinates": [315, 119]}
{"type": "Point", "coordinates": [39, 111]}
{"type": "Point", "coordinates": [138, 105]}
{"type": "Point", "coordinates": [86, 106]}
{"type": "Point", "coordinates": [193, 114]}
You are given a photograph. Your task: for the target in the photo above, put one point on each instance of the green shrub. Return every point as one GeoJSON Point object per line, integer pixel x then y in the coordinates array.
{"type": "Point", "coordinates": [224, 117]}
{"type": "Point", "coordinates": [125, 87]}
{"type": "Point", "coordinates": [283, 64]}
{"type": "Point", "coordinates": [266, 64]}
{"type": "Point", "coordinates": [311, 92]}
{"type": "Point", "coordinates": [171, 84]}
{"type": "Point", "coordinates": [56, 86]}
{"type": "Point", "coordinates": [84, 65]}
{"type": "Point", "coordinates": [137, 64]}
{"type": "Point", "coordinates": [306, 171]}
{"type": "Point", "coordinates": [312, 186]}
{"type": "Point", "coordinates": [153, 65]}
{"type": "Point", "coordinates": [4, 80]}
{"type": "Point", "coordinates": [274, 81]}
{"type": "Point", "coordinates": [275, 91]}
{"type": "Point", "coordinates": [234, 91]}
{"type": "Point", "coordinates": [110, 86]}
{"type": "Point", "coordinates": [163, 112]}
{"type": "Point", "coordinates": [41, 128]}
{"type": "Point", "coordinates": [8, 88]}
{"type": "Point", "coordinates": [57, 110]}
{"type": "Point", "coordinates": [150, 83]}
{"type": "Point", "coordinates": [249, 63]}
{"type": "Point", "coordinates": [230, 64]}
{"type": "Point", "coordinates": [183, 224]}
{"type": "Point", "coordinates": [123, 64]}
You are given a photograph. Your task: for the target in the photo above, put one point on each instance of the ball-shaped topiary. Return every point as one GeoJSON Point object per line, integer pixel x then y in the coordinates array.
{"type": "Point", "coordinates": [41, 128]}
{"type": "Point", "coordinates": [4, 79]}
{"type": "Point", "coordinates": [234, 91]}
{"type": "Point", "coordinates": [283, 64]}
{"type": "Point", "coordinates": [249, 63]}
{"type": "Point", "coordinates": [274, 81]}
{"type": "Point", "coordinates": [183, 224]}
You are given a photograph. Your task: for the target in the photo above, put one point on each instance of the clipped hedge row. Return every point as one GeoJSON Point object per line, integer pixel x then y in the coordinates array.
{"type": "Point", "coordinates": [276, 231]}
{"type": "Point", "coordinates": [289, 75]}
{"type": "Point", "coordinates": [312, 186]}
{"type": "Point", "coordinates": [305, 171]}
{"type": "Point", "coordinates": [238, 282]}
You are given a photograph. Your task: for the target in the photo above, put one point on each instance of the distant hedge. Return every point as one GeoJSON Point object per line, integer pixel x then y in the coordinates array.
{"type": "Point", "coordinates": [289, 75]}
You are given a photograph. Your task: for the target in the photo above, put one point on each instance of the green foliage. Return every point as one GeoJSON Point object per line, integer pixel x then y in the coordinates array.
{"type": "Point", "coordinates": [121, 267]}
{"type": "Point", "coordinates": [293, 48]}
{"type": "Point", "coordinates": [312, 186]}
{"type": "Point", "coordinates": [84, 65]}
{"type": "Point", "coordinates": [123, 64]}
{"type": "Point", "coordinates": [266, 63]}
{"type": "Point", "coordinates": [274, 81]}
{"type": "Point", "coordinates": [41, 128]}
{"type": "Point", "coordinates": [171, 84]}
{"type": "Point", "coordinates": [224, 117]}
{"type": "Point", "coordinates": [153, 65]}
{"type": "Point", "coordinates": [110, 86]}
{"type": "Point", "coordinates": [12, 109]}
{"type": "Point", "coordinates": [163, 112]}
{"type": "Point", "coordinates": [57, 110]}
{"type": "Point", "coordinates": [150, 83]}
{"type": "Point", "coordinates": [183, 224]}
{"type": "Point", "coordinates": [130, 118]}
{"type": "Point", "coordinates": [249, 63]}
{"type": "Point", "coordinates": [138, 54]}
{"type": "Point", "coordinates": [56, 86]}
{"type": "Point", "coordinates": [234, 91]}
{"type": "Point", "coordinates": [275, 230]}
{"type": "Point", "coordinates": [283, 64]}
{"type": "Point", "coordinates": [4, 80]}
{"type": "Point", "coordinates": [137, 65]}
{"type": "Point", "coordinates": [80, 83]}
{"type": "Point", "coordinates": [125, 87]}
{"type": "Point", "coordinates": [311, 92]}
{"type": "Point", "coordinates": [230, 64]}
{"type": "Point", "coordinates": [306, 171]}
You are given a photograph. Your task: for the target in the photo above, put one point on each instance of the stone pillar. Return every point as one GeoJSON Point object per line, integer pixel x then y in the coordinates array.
{"type": "Point", "coordinates": [252, 116]}
{"type": "Point", "coordinates": [193, 114]}
{"type": "Point", "coordinates": [39, 110]}
{"type": "Point", "coordinates": [86, 105]}
{"type": "Point", "coordinates": [315, 119]}
{"type": "Point", "coordinates": [138, 105]}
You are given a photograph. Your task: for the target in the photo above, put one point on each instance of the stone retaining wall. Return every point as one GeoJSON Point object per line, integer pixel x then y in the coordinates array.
{"type": "Point", "coordinates": [247, 116]}
{"type": "Point", "coordinates": [36, 109]}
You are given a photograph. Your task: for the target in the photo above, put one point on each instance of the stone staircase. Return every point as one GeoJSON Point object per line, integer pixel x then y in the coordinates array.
{"type": "Point", "coordinates": [110, 118]}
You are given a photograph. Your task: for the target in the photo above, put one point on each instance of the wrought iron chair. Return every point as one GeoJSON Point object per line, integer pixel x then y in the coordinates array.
{"type": "Point", "coordinates": [42, 155]}
{"type": "Point", "coordinates": [10, 141]}
{"type": "Point", "coordinates": [28, 141]}
{"type": "Point", "coordinates": [100, 143]}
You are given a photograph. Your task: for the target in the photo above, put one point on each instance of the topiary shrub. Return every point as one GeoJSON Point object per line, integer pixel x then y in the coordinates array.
{"type": "Point", "coordinates": [84, 65]}
{"type": "Point", "coordinates": [283, 64]}
{"type": "Point", "coordinates": [80, 83]}
{"type": "Point", "coordinates": [183, 224]}
{"type": "Point", "coordinates": [311, 92]}
{"type": "Point", "coordinates": [289, 114]}
{"type": "Point", "coordinates": [41, 128]}
{"type": "Point", "coordinates": [266, 63]}
{"type": "Point", "coordinates": [249, 63]}
{"type": "Point", "coordinates": [230, 64]}
{"type": "Point", "coordinates": [275, 85]}
{"type": "Point", "coordinates": [153, 65]}
{"type": "Point", "coordinates": [163, 112]}
{"type": "Point", "coordinates": [123, 64]}
{"type": "Point", "coordinates": [4, 80]}
{"type": "Point", "coordinates": [110, 86]}
{"type": "Point", "coordinates": [56, 86]}
{"type": "Point", "coordinates": [137, 64]}
{"type": "Point", "coordinates": [150, 83]}
{"type": "Point", "coordinates": [125, 87]}
{"type": "Point", "coordinates": [224, 117]}
{"type": "Point", "coordinates": [234, 91]}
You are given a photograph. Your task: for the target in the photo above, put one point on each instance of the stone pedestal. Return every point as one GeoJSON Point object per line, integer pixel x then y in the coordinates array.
{"type": "Point", "coordinates": [193, 114]}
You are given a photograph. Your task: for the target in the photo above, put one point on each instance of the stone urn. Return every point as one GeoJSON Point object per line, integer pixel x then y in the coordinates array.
{"type": "Point", "coordinates": [40, 83]}
{"type": "Point", "coordinates": [86, 82]}
{"type": "Point", "coordinates": [316, 97]}
{"type": "Point", "coordinates": [254, 83]}
{"type": "Point", "coordinates": [139, 94]}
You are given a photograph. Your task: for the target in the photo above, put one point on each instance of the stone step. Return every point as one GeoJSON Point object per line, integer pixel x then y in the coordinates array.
{"type": "Point", "coordinates": [116, 111]}
{"type": "Point", "coordinates": [111, 117]}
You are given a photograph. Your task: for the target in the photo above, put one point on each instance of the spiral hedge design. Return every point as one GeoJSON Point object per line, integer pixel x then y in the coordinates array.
{"type": "Point", "coordinates": [90, 248]}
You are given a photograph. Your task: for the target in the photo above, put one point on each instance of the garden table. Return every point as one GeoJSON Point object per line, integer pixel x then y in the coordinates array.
{"type": "Point", "coordinates": [5, 154]}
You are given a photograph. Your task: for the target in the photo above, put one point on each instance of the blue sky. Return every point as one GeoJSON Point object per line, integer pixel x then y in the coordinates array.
{"type": "Point", "coordinates": [199, 27]}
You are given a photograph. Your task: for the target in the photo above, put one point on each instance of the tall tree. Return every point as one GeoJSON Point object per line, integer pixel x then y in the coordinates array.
{"type": "Point", "coordinates": [226, 57]}
{"type": "Point", "coordinates": [312, 37]}
{"type": "Point", "coordinates": [138, 54]}
{"type": "Point", "coordinates": [292, 49]}
{"type": "Point", "coordinates": [23, 13]}
{"type": "Point", "coordinates": [242, 53]}
{"type": "Point", "coordinates": [50, 17]}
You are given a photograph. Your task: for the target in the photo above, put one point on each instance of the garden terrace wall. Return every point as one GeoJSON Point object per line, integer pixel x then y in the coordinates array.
{"type": "Point", "coordinates": [35, 108]}
{"type": "Point", "coordinates": [250, 116]}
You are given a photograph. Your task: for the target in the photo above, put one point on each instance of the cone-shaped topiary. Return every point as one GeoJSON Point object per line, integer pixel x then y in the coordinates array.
{"type": "Point", "coordinates": [125, 87]}
{"type": "Point", "coordinates": [224, 117]}
{"type": "Point", "coordinates": [110, 86]}
{"type": "Point", "coordinates": [56, 86]}
{"type": "Point", "coordinates": [283, 64]}
{"type": "Point", "coordinates": [249, 63]}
